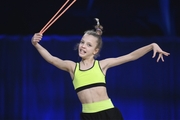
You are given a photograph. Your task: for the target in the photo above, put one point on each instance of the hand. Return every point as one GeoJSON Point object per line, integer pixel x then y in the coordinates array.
{"type": "Point", "coordinates": [156, 49]}
{"type": "Point", "coordinates": [36, 38]}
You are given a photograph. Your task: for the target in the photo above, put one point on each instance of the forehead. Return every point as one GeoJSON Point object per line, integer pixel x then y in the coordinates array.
{"type": "Point", "coordinates": [89, 38]}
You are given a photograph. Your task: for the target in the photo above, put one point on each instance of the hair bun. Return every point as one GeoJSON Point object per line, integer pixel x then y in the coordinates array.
{"type": "Point", "coordinates": [98, 27]}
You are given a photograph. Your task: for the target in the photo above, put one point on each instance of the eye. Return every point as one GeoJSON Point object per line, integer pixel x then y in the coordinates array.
{"type": "Point", "coordinates": [81, 42]}
{"type": "Point", "coordinates": [89, 45]}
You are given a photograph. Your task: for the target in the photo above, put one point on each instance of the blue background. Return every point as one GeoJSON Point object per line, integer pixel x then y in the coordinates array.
{"type": "Point", "coordinates": [32, 89]}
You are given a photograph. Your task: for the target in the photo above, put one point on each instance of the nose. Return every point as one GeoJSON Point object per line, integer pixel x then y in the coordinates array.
{"type": "Point", "coordinates": [83, 45]}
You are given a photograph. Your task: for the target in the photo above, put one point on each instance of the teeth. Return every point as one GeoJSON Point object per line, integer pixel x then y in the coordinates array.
{"type": "Point", "coordinates": [82, 51]}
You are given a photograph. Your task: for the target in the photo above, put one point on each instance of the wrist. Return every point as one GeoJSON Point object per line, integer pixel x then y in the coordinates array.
{"type": "Point", "coordinates": [35, 45]}
{"type": "Point", "coordinates": [153, 45]}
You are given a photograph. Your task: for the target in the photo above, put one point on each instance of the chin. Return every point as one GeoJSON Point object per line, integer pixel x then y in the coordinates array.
{"type": "Point", "coordinates": [80, 55]}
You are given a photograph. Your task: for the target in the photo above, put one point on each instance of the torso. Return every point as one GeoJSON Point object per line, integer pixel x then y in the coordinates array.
{"type": "Point", "coordinates": [93, 94]}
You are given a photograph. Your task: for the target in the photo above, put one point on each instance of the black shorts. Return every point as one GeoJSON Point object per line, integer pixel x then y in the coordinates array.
{"type": "Point", "coordinates": [109, 114]}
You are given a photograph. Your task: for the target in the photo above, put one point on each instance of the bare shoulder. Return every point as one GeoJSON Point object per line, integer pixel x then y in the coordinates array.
{"type": "Point", "coordinates": [70, 67]}
{"type": "Point", "coordinates": [104, 63]}
{"type": "Point", "coordinates": [66, 65]}
{"type": "Point", "coordinates": [71, 64]}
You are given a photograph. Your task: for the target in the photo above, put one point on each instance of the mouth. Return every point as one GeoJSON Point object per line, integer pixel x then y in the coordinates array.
{"type": "Point", "coordinates": [81, 51]}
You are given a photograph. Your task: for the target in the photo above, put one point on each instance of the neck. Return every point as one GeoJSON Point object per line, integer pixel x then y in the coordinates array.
{"type": "Point", "coordinates": [87, 61]}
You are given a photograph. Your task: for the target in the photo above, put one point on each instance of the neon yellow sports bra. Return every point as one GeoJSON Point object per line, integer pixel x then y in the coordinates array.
{"type": "Point", "coordinates": [91, 77]}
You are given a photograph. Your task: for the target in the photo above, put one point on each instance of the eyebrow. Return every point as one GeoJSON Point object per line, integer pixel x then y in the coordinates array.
{"type": "Point", "coordinates": [87, 42]}
{"type": "Point", "coordinates": [82, 39]}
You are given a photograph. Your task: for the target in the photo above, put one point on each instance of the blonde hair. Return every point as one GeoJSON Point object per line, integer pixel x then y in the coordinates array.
{"type": "Point", "coordinates": [97, 33]}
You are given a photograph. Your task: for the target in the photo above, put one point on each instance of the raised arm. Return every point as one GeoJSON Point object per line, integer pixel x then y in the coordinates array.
{"type": "Point", "coordinates": [61, 64]}
{"type": "Point", "coordinates": [111, 62]}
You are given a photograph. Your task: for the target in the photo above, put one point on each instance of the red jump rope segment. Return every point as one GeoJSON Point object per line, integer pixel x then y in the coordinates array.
{"type": "Point", "coordinates": [55, 17]}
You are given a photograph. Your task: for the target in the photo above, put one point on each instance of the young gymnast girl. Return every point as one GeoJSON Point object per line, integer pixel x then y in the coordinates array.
{"type": "Point", "coordinates": [88, 76]}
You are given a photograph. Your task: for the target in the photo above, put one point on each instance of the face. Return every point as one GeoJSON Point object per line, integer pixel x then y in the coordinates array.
{"type": "Point", "coordinates": [87, 46]}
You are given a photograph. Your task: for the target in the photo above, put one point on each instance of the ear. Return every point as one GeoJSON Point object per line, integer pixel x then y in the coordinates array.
{"type": "Point", "coordinates": [96, 51]}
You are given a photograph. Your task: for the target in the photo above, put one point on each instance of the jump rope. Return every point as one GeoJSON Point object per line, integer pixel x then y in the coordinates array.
{"type": "Point", "coordinates": [56, 16]}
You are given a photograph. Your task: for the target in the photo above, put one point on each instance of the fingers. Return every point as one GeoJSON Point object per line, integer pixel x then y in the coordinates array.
{"type": "Point", "coordinates": [157, 49]}
{"type": "Point", "coordinates": [154, 54]}
{"type": "Point", "coordinates": [160, 57]}
{"type": "Point", "coordinates": [165, 53]}
{"type": "Point", "coordinates": [37, 37]}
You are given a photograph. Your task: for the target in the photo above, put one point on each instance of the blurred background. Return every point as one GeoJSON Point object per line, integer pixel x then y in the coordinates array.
{"type": "Point", "coordinates": [32, 89]}
{"type": "Point", "coordinates": [119, 17]}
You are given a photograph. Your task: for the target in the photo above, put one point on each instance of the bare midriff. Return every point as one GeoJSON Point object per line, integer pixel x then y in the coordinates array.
{"type": "Point", "coordinates": [94, 94]}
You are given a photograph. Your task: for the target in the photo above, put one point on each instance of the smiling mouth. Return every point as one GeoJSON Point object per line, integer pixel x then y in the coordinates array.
{"type": "Point", "coordinates": [82, 51]}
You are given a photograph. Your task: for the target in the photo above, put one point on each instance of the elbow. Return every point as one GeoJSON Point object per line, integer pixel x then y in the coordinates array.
{"type": "Point", "coordinates": [50, 60]}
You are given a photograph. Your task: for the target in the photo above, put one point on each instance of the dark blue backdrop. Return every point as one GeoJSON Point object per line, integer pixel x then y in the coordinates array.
{"type": "Point", "coordinates": [32, 89]}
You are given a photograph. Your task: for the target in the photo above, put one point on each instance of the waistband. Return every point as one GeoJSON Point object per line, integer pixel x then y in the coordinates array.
{"type": "Point", "coordinates": [97, 106]}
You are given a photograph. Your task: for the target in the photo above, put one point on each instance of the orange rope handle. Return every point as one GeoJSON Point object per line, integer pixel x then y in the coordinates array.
{"type": "Point", "coordinates": [51, 22]}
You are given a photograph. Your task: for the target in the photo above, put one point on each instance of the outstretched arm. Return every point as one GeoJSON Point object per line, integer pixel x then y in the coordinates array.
{"type": "Point", "coordinates": [61, 64]}
{"type": "Point", "coordinates": [142, 51]}
{"type": "Point", "coordinates": [110, 62]}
